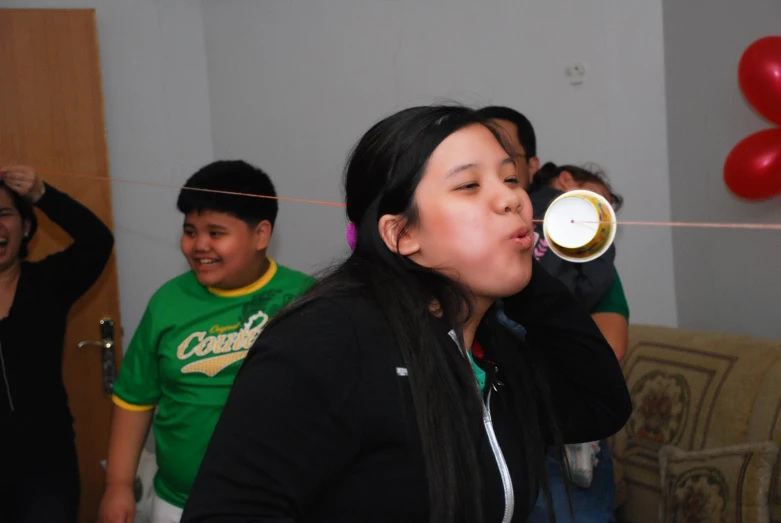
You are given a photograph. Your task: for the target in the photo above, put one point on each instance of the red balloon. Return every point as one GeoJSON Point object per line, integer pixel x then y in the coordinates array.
{"type": "Point", "coordinates": [759, 75]}
{"type": "Point", "coordinates": [752, 169]}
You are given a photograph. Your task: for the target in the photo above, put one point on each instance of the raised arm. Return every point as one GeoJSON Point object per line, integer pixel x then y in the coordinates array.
{"type": "Point", "coordinates": [589, 281]}
{"type": "Point", "coordinates": [589, 392]}
{"type": "Point", "coordinates": [594, 278]}
{"type": "Point", "coordinates": [75, 269]}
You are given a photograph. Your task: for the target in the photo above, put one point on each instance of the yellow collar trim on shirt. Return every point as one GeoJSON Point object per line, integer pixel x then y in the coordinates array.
{"type": "Point", "coordinates": [252, 287]}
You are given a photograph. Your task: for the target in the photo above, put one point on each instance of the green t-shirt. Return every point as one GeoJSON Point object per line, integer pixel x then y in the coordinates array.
{"type": "Point", "coordinates": [614, 300]}
{"type": "Point", "coordinates": [184, 357]}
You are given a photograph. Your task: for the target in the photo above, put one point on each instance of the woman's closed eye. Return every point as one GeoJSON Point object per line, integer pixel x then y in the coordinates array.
{"type": "Point", "coordinates": [513, 180]}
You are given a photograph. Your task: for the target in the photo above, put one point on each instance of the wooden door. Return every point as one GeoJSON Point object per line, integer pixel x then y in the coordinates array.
{"type": "Point", "coordinates": [52, 118]}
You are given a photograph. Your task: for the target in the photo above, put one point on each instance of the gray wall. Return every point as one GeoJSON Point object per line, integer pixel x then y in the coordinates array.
{"type": "Point", "coordinates": [726, 280]}
{"type": "Point", "coordinates": [293, 85]}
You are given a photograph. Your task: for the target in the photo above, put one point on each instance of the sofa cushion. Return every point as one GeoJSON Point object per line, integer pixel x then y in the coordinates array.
{"type": "Point", "coordinates": [725, 485]}
{"type": "Point", "coordinates": [691, 390]}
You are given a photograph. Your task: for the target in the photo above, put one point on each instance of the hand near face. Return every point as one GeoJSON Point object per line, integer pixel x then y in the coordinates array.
{"type": "Point", "coordinates": [23, 180]}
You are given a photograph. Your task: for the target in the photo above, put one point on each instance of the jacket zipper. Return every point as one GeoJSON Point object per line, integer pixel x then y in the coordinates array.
{"type": "Point", "coordinates": [504, 471]}
{"type": "Point", "coordinates": [5, 379]}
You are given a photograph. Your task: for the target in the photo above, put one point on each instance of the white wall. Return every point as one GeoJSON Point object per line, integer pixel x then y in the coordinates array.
{"type": "Point", "coordinates": [293, 85]}
{"type": "Point", "coordinates": [157, 120]}
{"type": "Point", "coordinates": [727, 280]}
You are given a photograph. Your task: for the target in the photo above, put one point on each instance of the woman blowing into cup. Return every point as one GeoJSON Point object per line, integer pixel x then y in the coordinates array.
{"type": "Point", "coordinates": [39, 475]}
{"type": "Point", "coordinates": [364, 400]}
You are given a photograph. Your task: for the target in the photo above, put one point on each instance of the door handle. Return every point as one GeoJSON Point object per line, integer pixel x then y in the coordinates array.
{"type": "Point", "coordinates": [108, 357]}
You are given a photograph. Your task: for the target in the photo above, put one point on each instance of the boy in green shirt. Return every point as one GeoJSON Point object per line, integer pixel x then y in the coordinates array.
{"type": "Point", "coordinates": [194, 334]}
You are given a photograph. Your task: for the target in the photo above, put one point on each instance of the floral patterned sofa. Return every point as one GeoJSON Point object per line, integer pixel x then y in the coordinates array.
{"type": "Point", "coordinates": [702, 442]}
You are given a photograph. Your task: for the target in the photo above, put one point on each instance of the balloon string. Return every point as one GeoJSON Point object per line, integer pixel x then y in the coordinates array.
{"type": "Point", "coordinates": [339, 204]}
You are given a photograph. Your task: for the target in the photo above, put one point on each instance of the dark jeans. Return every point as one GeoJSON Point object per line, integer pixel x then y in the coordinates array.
{"type": "Point", "coordinates": [595, 504]}
{"type": "Point", "coordinates": [39, 481]}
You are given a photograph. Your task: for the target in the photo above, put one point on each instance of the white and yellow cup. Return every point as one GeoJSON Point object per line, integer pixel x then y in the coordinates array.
{"type": "Point", "coordinates": [579, 226]}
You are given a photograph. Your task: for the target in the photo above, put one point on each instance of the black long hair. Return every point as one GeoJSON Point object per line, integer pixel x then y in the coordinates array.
{"type": "Point", "coordinates": [381, 176]}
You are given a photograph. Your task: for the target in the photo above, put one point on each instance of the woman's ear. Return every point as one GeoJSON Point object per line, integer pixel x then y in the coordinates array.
{"type": "Point", "coordinates": [396, 238]}
{"type": "Point", "coordinates": [26, 226]}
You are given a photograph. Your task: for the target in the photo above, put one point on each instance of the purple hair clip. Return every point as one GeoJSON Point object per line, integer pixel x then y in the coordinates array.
{"type": "Point", "coordinates": [352, 235]}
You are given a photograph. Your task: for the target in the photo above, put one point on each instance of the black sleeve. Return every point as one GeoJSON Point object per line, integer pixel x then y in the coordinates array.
{"type": "Point", "coordinates": [590, 397]}
{"type": "Point", "coordinates": [594, 278]}
{"type": "Point", "coordinates": [588, 282]}
{"type": "Point", "coordinates": [289, 425]}
{"type": "Point", "coordinates": [75, 269]}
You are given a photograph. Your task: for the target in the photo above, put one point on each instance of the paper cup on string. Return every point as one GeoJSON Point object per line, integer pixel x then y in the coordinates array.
{"type": "Point", "coordinates": [579, 226]}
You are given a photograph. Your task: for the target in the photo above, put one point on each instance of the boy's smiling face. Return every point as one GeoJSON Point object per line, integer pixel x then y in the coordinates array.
{"type": "Point", "coordinates": [224, 251]}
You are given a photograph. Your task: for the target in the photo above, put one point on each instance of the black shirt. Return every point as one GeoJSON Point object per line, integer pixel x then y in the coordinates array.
{"type": "Point", "coordinates": [320, 424]}
{"type": "Point", "coordinates": [32, 391]}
